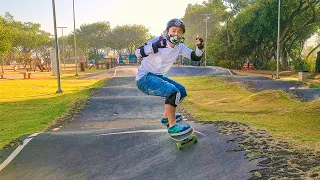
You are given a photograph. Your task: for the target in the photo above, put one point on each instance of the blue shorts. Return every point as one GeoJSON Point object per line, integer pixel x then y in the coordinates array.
{"type": "Point", "coordinates": [159, 85]}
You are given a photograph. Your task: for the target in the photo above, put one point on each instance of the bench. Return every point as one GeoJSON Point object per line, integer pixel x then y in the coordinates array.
{"type": "Point", "coordinates": [25, 74]}
{"type": "Point", "coordinates": [14, 68]}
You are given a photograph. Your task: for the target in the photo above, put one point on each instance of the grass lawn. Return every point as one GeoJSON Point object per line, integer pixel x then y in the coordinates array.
{"type": "Point", "coordinates": [314, 85]}
{"type": "Point", "coordinates": [216, 99]}
{"type": "Point", "coordinates": [29, 106]}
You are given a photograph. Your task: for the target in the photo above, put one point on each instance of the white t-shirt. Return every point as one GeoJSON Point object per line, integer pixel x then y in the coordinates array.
{"type": "Point", "coordinates": [162, 61]}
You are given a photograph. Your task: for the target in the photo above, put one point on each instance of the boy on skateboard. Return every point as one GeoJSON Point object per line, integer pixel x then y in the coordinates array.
{"type": "Point", "coordinates": [158, 56]}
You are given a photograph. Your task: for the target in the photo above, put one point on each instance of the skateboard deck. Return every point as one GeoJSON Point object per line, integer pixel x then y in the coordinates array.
{"type": "Point", "coordinates": [184, 139]}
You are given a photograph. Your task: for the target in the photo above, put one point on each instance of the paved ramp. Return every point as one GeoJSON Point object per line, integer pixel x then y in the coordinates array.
{"type": "Point", "coordinates": [197, 71]}
{"type": "Point", "coordinates": [307, 94]}
{"type": "Point", "coordinates": [103, 155]}
{"type": "Point", "coordinates": [118, 136]}
{"type": "Point", "coordinates": [263, 83]}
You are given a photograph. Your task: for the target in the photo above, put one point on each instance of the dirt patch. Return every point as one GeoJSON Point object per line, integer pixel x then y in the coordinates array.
{"type": "Point", "coordinates": [15, 143]}
{"type": "Point", "coordinates": [294, 96]}
{"type": "Point", "coordinates": [279, 159]}
{"type": "Point", "coordinates": [248, 86]}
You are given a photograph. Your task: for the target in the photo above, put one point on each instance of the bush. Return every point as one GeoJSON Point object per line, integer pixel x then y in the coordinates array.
{"type": "Point", "coordinates": [210, 62]}
{"type": "Point", "coordinates": [226, 64]}
{"type": "Point", "coordinates": [310, 64]}
{"type": "Point", "coordinates": [299, 64]}
{"type": "Point", "coordinates": [93, 56]}
{"type": "Point", "coordinates": [273, 65]}
{"type": "Point", "coordinates": [304, 64]}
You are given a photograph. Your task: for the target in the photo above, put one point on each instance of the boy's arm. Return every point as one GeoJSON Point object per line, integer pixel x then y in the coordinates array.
{"type": "Point", "coordinates": [151, 47]}
{"type": "Point", "coordinates": [194, 55]}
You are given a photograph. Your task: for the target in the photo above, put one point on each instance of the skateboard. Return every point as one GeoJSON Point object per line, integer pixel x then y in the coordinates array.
{"type": "Point", "coordinates": [184, 139]}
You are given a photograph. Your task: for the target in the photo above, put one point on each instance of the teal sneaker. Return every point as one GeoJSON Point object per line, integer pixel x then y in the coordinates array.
{"type": "Point", "coordinates": [178, 129]}
{"type": "Point", "coordinates": [165, 121]}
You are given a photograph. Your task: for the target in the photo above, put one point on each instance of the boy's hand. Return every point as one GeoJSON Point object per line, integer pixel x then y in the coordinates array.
{"type": "Point", "coordinates": [161, 43]}
{"type": "Point", "coordinates": [199, 42]}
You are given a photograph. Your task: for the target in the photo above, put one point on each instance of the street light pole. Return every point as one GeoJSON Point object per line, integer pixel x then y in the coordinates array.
{"type": "Point", "coordinates": [52, 41]}
{"type": "Point", "coordinates": [57, 47]}
{"type": "Point", "coordinates": [64, 61]}
{"type": "Point", "coordinates": [74, 37]}
{"type": "Point", "coordinates": [205, 49]}
{"type": "Point", "coordinates": [205, 43]}
{"type": "Point", "coordinates": [278, 39]}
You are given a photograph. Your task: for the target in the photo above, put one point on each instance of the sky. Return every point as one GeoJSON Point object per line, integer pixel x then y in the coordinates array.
{"type": "Point", "coordinates": [153, 14]}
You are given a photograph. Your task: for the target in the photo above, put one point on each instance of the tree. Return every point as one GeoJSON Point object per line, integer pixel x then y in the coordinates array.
{"type": "Point", "coordinates": [236, 6]}
{"type": "Point", "coordinates": [254, 30]}
{"type": "Point", "coordinates": [128, 38]}
{"type": "Point", "coordinates": [253, 33]}
{"type": "Point", "coordinates": [44, 50]}
{"type": "Point", "coordinates": [94, 37]}
{"type": "Point", "coordinates": [221, 13]}
{"type": "Point", "coordinates": [315, 48]}
{"type": "Point", "coordinates": [6, 35]}
{"type": "Point", "coordinates": [25, 37]}
{"type": "Point", "coordinates": [6, 39]}
{"type": "Point", "coordinates": [300, 21]}
{"type": "Point", "coordinates": [30, 37]}
{"type": "Point", "coordinates": [195, 23]}
{"type": "Point", "coordinates": [82, 43]}
{"type": "Point", "coordinates": [233, 7]}
{"type": "Point", "coordinates": [137, 34]}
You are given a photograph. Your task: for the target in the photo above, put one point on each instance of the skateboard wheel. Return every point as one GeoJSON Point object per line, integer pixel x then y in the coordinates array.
{"type": "Point", "coordinates": [179, 145]}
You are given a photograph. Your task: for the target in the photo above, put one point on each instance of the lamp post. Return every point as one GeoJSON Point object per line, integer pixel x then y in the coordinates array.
{"type": "Point", "coordinates": [205, 52]}
{"type": "Point", "coordinates": [205, 48]}
{"type": "Point", "coordinates": [57, 49]}
{"type": "Point", "coordinates": [64, 61]}
{"type": "Point", "coordinates": [278, 39]}
{"type": "Point", "coordinates": [74, 37]}
{"type": "Point", "coordinates": [52, 36]}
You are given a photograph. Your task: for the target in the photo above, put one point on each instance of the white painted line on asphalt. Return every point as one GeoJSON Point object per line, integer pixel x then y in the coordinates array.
{"type": "Point", "coordinates": [138, 131]}
{"type": "Point", "coordinates": [141, 131]}
{"type": "Point", "coordinates": [230, 72]}
{"type": "Point", "coordinates": [33, 135]}
{"type": "Point", "coordinates": [216, 69]}
{"type": "Point", "coordinates": [17, 151]}
{"type": "Point", "coordinates": [225, 69]}
{"type": "Point", "coordinates": [115, 72]}
{"type": "Point", "coordinates": [199, 133]}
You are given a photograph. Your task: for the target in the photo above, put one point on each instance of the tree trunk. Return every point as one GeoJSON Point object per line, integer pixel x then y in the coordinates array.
{"type": "Point", "coordinates": [313, 50]}
{"type": "Point", "coordinates": [87, 57]}
{"type": "Point", "coordinates": [318, 62]}
{"type": "Point", "coordinates": [283, 58]}
{"type": "Point", "coordinates": [2, 72]}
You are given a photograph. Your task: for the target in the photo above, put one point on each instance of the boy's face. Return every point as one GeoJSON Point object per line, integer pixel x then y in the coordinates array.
{"type": "Point", "coordinates": [175, 30]}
